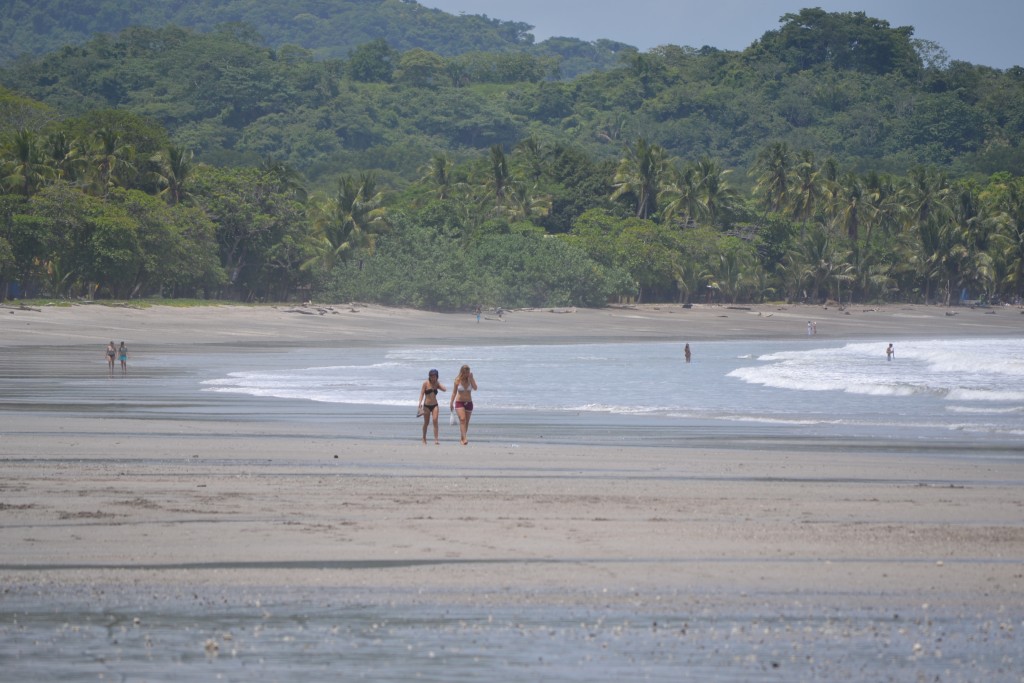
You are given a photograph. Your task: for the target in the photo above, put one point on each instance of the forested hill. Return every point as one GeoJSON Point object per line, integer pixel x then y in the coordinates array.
{"type": "Point", "coordinates": [842, 86]}
{"type": "Point", "coordinates": [327, 28]}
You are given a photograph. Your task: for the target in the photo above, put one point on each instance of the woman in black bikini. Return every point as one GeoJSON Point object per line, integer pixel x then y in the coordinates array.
{"type": "Point", "coordinates": [428, 403]}
{"type": "Point", "coordinates": [462, 399]}
{"type": "Point", "coordinates": [111, 354]}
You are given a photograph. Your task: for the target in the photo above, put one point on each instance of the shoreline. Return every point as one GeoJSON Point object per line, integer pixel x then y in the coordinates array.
{"type": "Point", "coordinates": [271, 326]}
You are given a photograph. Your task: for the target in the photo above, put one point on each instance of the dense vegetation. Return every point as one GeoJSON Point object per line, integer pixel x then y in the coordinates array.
{"type": "Point", "coordinates": [836, 157]}
{"type": "Point", "coordinates": [328, 29]}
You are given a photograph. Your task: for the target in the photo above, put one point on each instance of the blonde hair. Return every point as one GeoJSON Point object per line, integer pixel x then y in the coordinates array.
{"type": "Point", "coordinates": [463, 375]}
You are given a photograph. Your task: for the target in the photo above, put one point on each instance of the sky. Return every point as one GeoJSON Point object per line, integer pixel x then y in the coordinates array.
{"type": "Point", "coordinates": [986, 32]}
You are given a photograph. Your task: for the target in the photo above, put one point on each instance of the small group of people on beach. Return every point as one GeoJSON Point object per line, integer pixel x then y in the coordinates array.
{"type": "Point", "coordinates": [460, 404]}
{"type": "Point", "coordinates": [120, 353]}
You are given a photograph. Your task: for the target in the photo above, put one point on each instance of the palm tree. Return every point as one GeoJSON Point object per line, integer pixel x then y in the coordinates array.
{"type": "Point", "coordinates": [735, 270]}
{"type": "Point", "coordinates": [717, 197]}
{"type": "Point", "coordinates": [63, 154]}
{"type": "Point", "coordinates": [807, 191]}
{"type": "Point", "coordinates": [110, 160]}
{"type": "Point", "coordinates": [681, 195]}
{"type": "Point", "coordinates": [926, 194]}
{"type": "Point", "coordinates": [821, 259]}
{"type": "Point", "coordinates": [175, 169]}
{"type": "Point", "coordinates": [437, 174]}
{"type": "Point", "coordinates": [284, 178]}
{"type": "Point", "coordinates": [534, 156]}
{"type": "Point", "coordinates": [349, 221]}
{"type": "Point", "coordinates": [849, 206]}
{"type": "Point", "coordinates": [25, 170]}
{"type": "Point", "coordinates": [1008, 205]}
{"type": "Point", "coordinates": [527, 202]}
{"type": "Point", "coordinates": [500, 177]}
{"type": "Point", "coordinates": [967, 239]}
{"type": "Point", "coordinates": [774, 171]}
{"type": "Point", "coordinates": [641, 173]}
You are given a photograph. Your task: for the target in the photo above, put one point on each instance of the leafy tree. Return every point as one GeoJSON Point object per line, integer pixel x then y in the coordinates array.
{"type": "Point", "coordinates": [420, 68]}
{"type": "Point", "coordinates": [178, 247]}
{"type": "Point", "coordinates": [844, 40]}
{"type": "Point", "coordinates": [372, 62]}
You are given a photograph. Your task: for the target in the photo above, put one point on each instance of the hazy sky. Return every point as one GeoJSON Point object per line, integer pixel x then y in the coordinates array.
{"type": "Point", "coordinates": [984, 32]}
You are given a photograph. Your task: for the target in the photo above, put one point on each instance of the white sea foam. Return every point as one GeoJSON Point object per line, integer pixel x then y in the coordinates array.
{"type": "Point", "coordinates": [847, 387]}
{"type": "Point", "coordinates": [987, 410]}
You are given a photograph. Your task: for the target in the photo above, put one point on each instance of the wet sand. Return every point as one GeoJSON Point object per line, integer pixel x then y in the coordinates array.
{"type": "Point", "coordinates": [804, 564]}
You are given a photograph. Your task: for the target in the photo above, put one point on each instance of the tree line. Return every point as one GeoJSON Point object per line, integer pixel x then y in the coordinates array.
{"type": "Point", "coordinates": [122, 213]}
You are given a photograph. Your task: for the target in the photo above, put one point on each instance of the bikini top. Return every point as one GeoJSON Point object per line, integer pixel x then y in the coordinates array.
{"type": "Point", "coordinates": [429, 391]}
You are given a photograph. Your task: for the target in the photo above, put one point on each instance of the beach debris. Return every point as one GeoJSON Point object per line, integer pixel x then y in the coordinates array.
{"type": "Point", "coordinates": [950, 313]}
{"type": "Point", "coordinates": [311, 310]}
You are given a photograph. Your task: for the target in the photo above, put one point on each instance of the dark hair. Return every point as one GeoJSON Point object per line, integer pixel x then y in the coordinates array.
{"type": "Point", "coordinates": [432, 372]}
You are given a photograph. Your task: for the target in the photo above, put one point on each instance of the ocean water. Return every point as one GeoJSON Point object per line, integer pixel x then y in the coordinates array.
{"type": "Point", "coordinates": [939, 392]}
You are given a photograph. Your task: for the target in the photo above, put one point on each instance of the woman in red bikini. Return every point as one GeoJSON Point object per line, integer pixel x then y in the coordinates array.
{"type": "Point", "coordinates": [462, 399]}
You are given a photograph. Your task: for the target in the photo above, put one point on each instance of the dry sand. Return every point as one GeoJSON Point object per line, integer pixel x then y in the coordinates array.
{"type": "Point", "coordinates": [88, 325]}
{"type": "Point", "coordinates": [162, 505]}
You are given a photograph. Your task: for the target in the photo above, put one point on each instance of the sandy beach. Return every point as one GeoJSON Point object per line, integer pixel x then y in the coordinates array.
{"type": "Point", "coordinates": [750, 559]}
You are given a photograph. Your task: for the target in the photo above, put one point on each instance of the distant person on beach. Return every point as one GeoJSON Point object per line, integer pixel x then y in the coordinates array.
{"type": "Point", "coordinates": [686, 352]}
{"type": "Point", "coordinates": [122, 355]}
{"type": "Point", "coordinates": [809, 328]}
{"type": "Point", "coordinates": [462, 400]}
{"type": "Point", "coordinates": [428, 406]}
{"type": "Point", "coordinates": [890, 353]}
{"type": "Point", "coordinates": [111, 353]}
{"type": "Point", "coordinates": [814, 327]}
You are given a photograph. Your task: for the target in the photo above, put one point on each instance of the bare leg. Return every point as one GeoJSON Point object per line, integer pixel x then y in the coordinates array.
{"type": "Point", "coordinates": [426, 421]}
{"type": "Point", "coordinates": [464, 416]}
{"type": "Point", "coordinates": [434, 414]}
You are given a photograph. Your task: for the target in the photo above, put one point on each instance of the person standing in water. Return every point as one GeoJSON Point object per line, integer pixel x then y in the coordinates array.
{"type": "Point", "coordinates": [122, 355]}
{"type": "Point", "coordinates": [462, 400]}
{"type": "Point", "coordinates": [428, 406]}
{"type": "Point", "coordinates": [890, 353]}
{"type": "Point", "coordinates": [686, 352]}
{"type": "Point", "coordinates": [111, 354]}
